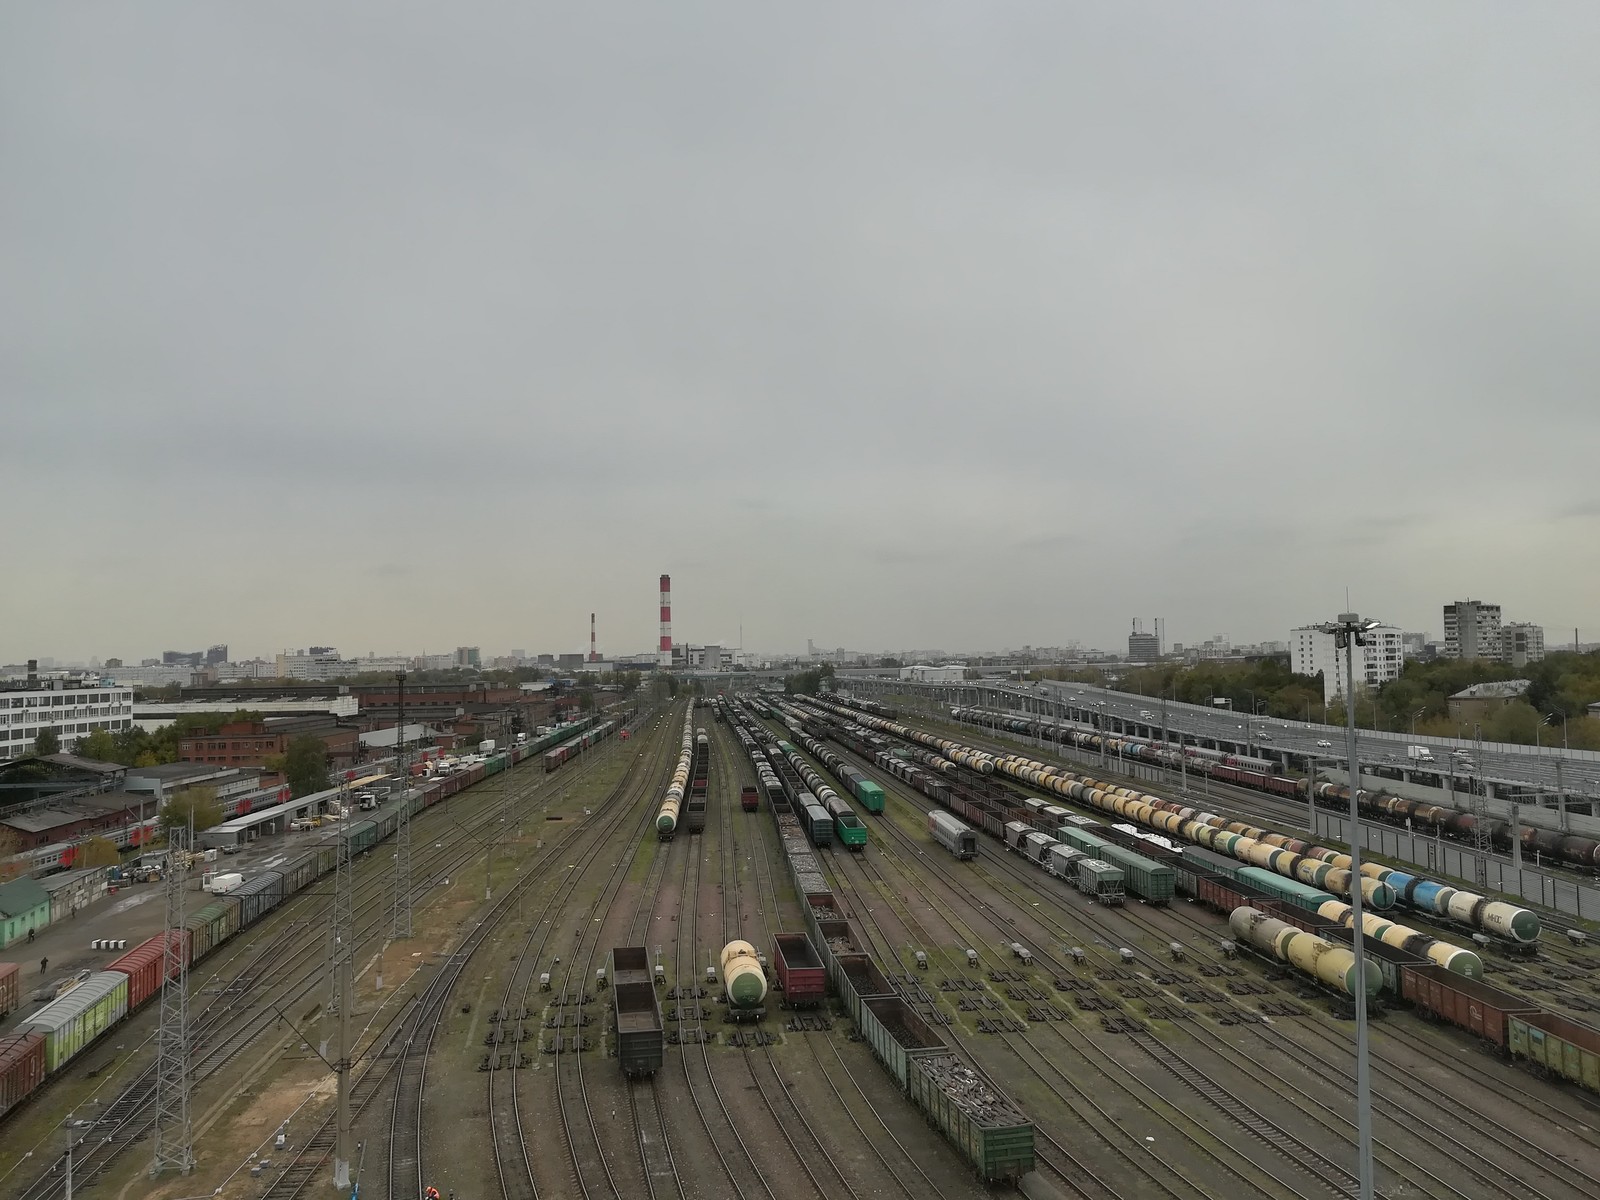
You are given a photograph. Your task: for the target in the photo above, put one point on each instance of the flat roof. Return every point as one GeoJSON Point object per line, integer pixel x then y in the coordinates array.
{"type": "Point", "coordinates": [45, 819]}
{"type": "Point", "coordinates": [85, 764]}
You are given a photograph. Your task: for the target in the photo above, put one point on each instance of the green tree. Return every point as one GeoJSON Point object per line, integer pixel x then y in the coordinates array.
{"type": "Point", "coordinates": [305, 765]}
{"type": "Point", "coordinates": [98, 746]}
{"type": "Point", "coordinates": [48, 742]}
{"type": "Point", "coordinates": [198, 805]}
{"type": "Point", "coordinates": [586, 700]}
{"type": "Point", "coordinates": [99, 852]}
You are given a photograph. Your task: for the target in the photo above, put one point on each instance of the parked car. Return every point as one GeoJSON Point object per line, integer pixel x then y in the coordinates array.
{"type": "Point", "coordinates": [1325, 744]}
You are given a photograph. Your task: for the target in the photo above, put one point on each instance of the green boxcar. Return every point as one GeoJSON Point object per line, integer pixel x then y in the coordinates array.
{"type": "Point", "coordinates": [1290, 891]}
{"type": "Point", "coordinates": [213, 925]}
{"type": "Point", "coordinates": [71, 1023]}
{"type": "Point", "coordinates": [1082, 839]}
{"type": "Point", "coordinates": [1560, 1046]}
{"type": "Point", "coordinates": [1151, 881]}
{"type": "Point", "coordinates": [870, 795]}
{"type": "Point", "coordinates": [990, 1132]}
{"type": "Point", "coordinates": [362, 836]}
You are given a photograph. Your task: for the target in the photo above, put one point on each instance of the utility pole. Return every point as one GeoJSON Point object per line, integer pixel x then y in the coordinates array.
{"type": "Point", "coordinates": [1482, 838]}
{"type": "Point", "coordinates": [402, 831]}
{"type": "Point", "coordinates": [343, 963]}
{"type": "Point", "coordinates": [174, 1139]}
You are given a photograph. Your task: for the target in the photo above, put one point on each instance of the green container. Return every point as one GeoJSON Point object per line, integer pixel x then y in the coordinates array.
{"type": "Point", "coordinates": [870, 795]}
{"type": "Point", "coordinates": [1291, 891]}
{"type": "Point", "coordinates": [987, 1129]}
{"type": "Point", "coordinates": [1151, 881]}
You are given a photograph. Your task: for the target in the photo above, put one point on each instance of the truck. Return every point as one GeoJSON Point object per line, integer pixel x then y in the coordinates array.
{"type": "Point", "coordinates": [486, 746]}
{"type": "Point", "coordinates": [220, 883]}
{"type": "Point", "coordinates": [1419, 754]}
{"type": "Point", "coordinates": [522, 739]}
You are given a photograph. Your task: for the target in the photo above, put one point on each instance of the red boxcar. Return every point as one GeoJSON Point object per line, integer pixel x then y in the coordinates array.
{"type": "Point", "coordinates": [143, 967]}
{"type": "Point", "coordinates": [21, 1067]}
{"type": "Point", "coordinates": [749, 799]}
{"type": "Point", "coordinates": [800, 971]}
{"type": "Point", "coordinates": [1468, 1003]}
{"type": "Point", "coordinates": [10, 987]}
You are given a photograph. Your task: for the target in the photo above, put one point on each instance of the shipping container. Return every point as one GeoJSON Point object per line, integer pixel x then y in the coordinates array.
{"type": "Point", "coordinates": [800, 971]}
{"type": "Point", "coordinates": [640, 1044]}
{"type": "Point", "coordinates": [988, 1129]}
{"type": "Point", "coordinates": [21, 1068]}
{"type": "Point", "coordinates": [71, 1023]}
{"type": "Point", "coordinates": [1563, 1048]}
{"type": "Point", "coordinates": [10, 987]}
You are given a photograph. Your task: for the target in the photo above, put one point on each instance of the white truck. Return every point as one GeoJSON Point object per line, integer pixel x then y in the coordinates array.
{"type": "Point", "coordinates": [486, 746]}
{"type": "Point", "coordinates": [1419, 754]}
{"type": "Point", "coordinates": [220, 883]}
{"type": "Point", "coordinates": [522, 739]}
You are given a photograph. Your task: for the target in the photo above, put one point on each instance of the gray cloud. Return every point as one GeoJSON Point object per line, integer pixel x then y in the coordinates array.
{"type": "Point", "coordinates": [892, 325]}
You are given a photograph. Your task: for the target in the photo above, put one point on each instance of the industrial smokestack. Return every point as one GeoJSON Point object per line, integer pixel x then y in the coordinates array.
{"type": "Point", "coordinates": [665, 649]}
{"type": "Point", "coordinates": [593, 657]}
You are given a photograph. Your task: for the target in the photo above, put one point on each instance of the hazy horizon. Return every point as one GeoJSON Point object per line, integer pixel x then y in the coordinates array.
{"type": "Point", "coordinates": [917, 325]}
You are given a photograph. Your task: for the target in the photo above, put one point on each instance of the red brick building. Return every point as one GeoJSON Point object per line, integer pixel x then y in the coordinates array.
{"type": "Point", "coordinates": [251, 743]}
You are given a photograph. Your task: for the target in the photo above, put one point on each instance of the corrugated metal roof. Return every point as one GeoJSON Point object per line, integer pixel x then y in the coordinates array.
{"type": "Point", "coordinates": [59, 1013]}
{"type": "Point", "coordinates": [1503, 689]}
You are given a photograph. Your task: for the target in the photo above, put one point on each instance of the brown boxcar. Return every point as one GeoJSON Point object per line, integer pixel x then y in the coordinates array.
{"type": "Point", "coordinates": [143, 967]}
{"type": "Point", "coordinates": [800, 971]}
{"type": "Point", "coordinates": [21, 1067]}
{"type": "Point", "coordinates": [1467, 1003]}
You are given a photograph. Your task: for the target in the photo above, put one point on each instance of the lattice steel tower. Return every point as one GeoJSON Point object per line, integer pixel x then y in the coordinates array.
{"type": "Point", "coordinates": [1482, 834]}
{"type": "Point", "coordinates": [174, 1137]}
{"type": "Point", "coordinates": [343, 966]}
{"type": "Point", "coordinates": [402, 832]}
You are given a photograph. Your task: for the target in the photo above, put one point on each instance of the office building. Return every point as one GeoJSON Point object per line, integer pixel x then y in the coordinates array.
{"type": "Point", "coordinates": [70, 708]}
{"type": "Point", "coordinates": [1143, 647]}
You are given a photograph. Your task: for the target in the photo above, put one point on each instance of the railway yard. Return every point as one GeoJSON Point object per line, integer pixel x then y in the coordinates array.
{"type": "Point", "coordinates": [989, 1022]}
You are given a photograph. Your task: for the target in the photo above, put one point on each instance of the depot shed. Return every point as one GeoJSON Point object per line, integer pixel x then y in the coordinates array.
{"type": "Point", "coordinates": [24, 905]}
{"type": "Point", "coordinates": [70, 891]}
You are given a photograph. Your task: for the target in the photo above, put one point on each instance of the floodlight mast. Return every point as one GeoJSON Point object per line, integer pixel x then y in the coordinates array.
{"type": "Point", "coordinates": [1348, 632]}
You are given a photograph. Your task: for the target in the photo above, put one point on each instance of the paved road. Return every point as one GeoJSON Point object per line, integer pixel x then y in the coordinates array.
{"type": "Point", "coordinates": [1509, 766]}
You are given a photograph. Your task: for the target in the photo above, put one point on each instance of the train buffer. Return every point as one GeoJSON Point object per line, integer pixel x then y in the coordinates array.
{"type": "Point", "coordinates": [1176, 950]}
{"type": "Point", "coordinates": [972, 958]}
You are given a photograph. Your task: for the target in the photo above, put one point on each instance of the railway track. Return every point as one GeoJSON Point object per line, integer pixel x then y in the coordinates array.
{"type": "Point", "coordinates": [219, 1033]}
{"type": "Point", "coordinates": [763, 916]}
{"type": "Point", "coordinates": [404, 1071]}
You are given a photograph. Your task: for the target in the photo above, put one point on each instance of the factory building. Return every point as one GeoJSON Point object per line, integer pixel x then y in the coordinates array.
{"type": "Point", "coordinates": [70, 707]}
{"type": "Point", "coordinates": [947, 673]}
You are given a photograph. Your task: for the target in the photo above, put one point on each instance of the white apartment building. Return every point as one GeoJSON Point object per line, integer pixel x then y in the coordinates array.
{"type": "Point", "coordinates": [1521, 643]}
{"type": "Point", "coordinates": [1379, 661]}
{"type": "Point", "coordinates": [315, 667]}
{"type": "Point", "coordinates": [71, 710]}
{"type": "Point", "coordinates": [1472, 630]}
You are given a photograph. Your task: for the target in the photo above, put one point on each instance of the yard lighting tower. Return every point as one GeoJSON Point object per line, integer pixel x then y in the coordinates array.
{"type": "Point", "coordinates": [402, 834]}
{"type": "Point", "coordinates": [1350, 631]}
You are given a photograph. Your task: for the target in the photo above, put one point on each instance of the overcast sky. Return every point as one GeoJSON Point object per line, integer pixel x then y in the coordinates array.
{"type": "Point", "coordinates": [401, 326]}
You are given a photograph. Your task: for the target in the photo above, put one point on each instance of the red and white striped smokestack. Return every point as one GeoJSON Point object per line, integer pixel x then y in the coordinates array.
{"type": "Point", "coordinates": [593, 657]}
{"type": "Point", "coordinates": [665, 648]}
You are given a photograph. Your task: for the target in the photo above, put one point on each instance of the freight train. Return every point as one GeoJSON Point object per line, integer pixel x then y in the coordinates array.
{"type": "Point", "coordinates": [58, 1033]}
{"type": "Point", "coordinates": [672, 803]}
{"type": "Point", "coordinates": [1259, 775]}
{"type": "Point", "coordinates": [1317, 866]}
{"type": "Point", "coordinates": [983, 1125]}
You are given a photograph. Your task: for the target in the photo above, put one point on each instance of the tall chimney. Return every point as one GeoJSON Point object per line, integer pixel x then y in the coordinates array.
{"type": "Point", "coordinates": [665, 649]}
{"type": "Point", "coordinates": [593, 657]}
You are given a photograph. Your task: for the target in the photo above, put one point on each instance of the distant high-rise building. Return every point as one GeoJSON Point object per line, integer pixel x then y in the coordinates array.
{"type": "Point", "coordinates": [1471, 630]}
{"type": "Point", "coordinates": [1143, 647]}
{"type": "Point", "coordinates": [322, 650]}
{"type": "Point", "coordinates": [1380, 660]}
{"type": "Point", "coordinates": [468, 656]}
{"type": "Point", "coordinates": [216, 654]}
{"type": "Point", "coordinates": [112, 663]}
{"type": "Point", "coordinates": [181, 658]}
{"type": "Point", "coordinates": [1521, 643]}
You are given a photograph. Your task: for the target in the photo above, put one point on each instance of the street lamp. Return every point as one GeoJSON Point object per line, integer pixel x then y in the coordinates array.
{"type": "Point", "coordinates": [1414, 717]}
{"type": "Point", "coordinates": [1348, 632]}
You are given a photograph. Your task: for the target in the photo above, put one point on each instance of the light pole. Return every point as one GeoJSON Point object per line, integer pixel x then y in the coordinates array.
{"type": "Point", "coordinates": [1350, 631]}
{"type": "Point", "coordinates": [1414, 717]}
